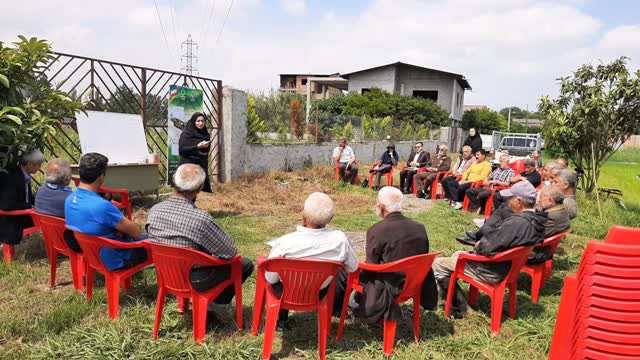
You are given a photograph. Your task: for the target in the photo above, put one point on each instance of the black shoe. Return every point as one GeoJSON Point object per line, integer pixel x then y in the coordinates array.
{"type": "Point", "coordinates": [421, 194]}
{"type": "Point", "coordinates": [466, 241]}
{"type": "Point", "coordinates": [282, 325]}
{"type": "Point", "coordinates": [472, 234]}
{"type": "Point", "coordinates": [406, 191]}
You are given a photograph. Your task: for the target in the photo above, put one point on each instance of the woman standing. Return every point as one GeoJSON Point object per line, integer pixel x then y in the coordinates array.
{"type": "Point", "coordinates": [473, 140]}
{"type": "Point", "coordinates": [194, 145]}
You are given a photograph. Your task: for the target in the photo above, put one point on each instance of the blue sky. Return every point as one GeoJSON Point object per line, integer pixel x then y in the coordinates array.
{"type": "Point", "coordinates": [510, 50]}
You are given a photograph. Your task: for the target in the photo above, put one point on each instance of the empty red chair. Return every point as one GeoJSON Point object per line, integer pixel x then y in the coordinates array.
{"type": "Point", "coordinates": [436, 182]}
{"type": "Point", "coordinates": [488, 207]}
{"type": "Point", "coordinates": [542, 272]}
{"type": "Point", "coordinates": [416, 269]}
{"type": "Point", "coordinates": [53, 229]}
{"type": "Point", "coordinates": [301, 283]}
{"type": "Point", "coordinates": [8, 250]}
{"type": "Point", "coordinates": [173, 265]}
{"type": "Point", "coordinates": [623, 235]}
{"type": "Point", "coordinates": [389, 176]}
{"type": "Point", "coordinates": [465, 202]}
{"type": "Point", "coordinates": [91, 246]}
{"type": "Point", "coordinates": [517, 256]}
{"type": "Point", "coordinates": [123, 204]}
{"type": "Point", "coordinates": [599, 312]}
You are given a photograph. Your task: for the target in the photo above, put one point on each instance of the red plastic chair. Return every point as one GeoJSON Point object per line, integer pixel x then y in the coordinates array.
{"type": "Point", "coordinates": [488, 207]}
{"type": "Point", "coordinates": [465, 202]}
{"type": "Point", "coordinates": [389, 176]}
{"type": "Point", "coordinates": [9, 251]}
{"type": "Point", "coordinates": [91, 246]}
{"type": "Point", "coordinates": [416, 269]}
{"type": "Point", "coordinates": [123, 204]}
{"type": "Point", "coordinates": [436, 183]}
{"type": "Point", "coordinates": [517, 166]}
{"type": "Point", "coordinates": [301, 282]}
{"type": "Point", "coordinates": [623, 235]}
{"type": "Point", "coordinates": [542, 272]}
{"type": "Point", "coordinates": [173, 265]}
{"type": "Point", "coordinates": [337, 173]}
{"type": "Point", "coordinates": [53, 229]}
{"type": "Point", "coordinates": [517, 256]}
{"type": "Point", "coordinates": [599, 312]}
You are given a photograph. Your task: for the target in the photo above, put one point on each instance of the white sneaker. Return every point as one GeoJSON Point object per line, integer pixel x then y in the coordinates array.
{"type": "Point", "coordinates": [458, 205]}
{"type": "Point", "coordinates": [478, 222]}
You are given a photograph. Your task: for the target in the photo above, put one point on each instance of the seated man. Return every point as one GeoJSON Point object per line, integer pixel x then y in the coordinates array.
{"type": "Point", "coordinates": [567, 181]}
{"type": "Point", "coordinates": [524, 228]}
{"type": "Point", "coordinates": [52, 195]}
{"type": "Point", "coordinates": [462, 164]}
{"type": "Point", "coordinates": [314, 240]}
{"type": "Point", "coordinates": [178, 222]}
{"type": "Point", "coordinates": [417, 159]}
{"type": "Point", "coordinates": [346, 159]}
{"type": "Point", "coordinates": [393, 238]}
{"type": "Point", "coordinates": [548, 169]}
{"type": "Point", "coordinates": [550, 201]}
{"type": "Point", "coordinates": [87, 212]}
{"type": "Point", "coordinates": [530, 174]}
{"type": "Point", "coordinates": [478, 171]}
{"type": "Point", "coordinates": [442, 163]}
{"type": "Point", "coordinates": [388, 160]}
{"type": "Point", "coordinates": [15, 194]}
{"type": "Point", "coordinates": [499, 177]}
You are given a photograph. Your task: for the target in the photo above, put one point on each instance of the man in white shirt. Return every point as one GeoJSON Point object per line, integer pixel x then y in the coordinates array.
{"type": "Point", "coordinates": [346, 159]}
{"type": "Point", "coordinates": [314, 240]}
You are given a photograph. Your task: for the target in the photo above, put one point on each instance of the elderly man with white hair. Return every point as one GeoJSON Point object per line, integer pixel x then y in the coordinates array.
{"type": "Point", "coordinates": [314, 240]}
{"type": "Point", "coordinates": [178, 222]}
{"type": "Point", "coordinates": [393, 238]}
{"type": "Point", "coordinates": [15, 194]}
{"type": "Point", "coordinates": [52, 194]}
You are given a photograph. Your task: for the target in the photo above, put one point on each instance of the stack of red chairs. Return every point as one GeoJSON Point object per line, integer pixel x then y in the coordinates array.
{"type": "Point", "coordinates": [9, 250]}
{"type": "Point", "coordinates": [599, 312]}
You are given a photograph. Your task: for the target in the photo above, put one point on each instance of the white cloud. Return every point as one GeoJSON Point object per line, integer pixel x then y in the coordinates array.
{"type": "Point", "coordinates": [511, 50]}
{"type": "Point", "coordinates": [294, 7]}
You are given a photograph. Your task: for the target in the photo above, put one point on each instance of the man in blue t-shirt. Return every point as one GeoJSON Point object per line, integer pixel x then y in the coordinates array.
{"type": "Point", "coordinates": [89, 213]}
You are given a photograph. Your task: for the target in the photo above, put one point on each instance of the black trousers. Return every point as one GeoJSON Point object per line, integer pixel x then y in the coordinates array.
{"type": "Point", "coordinates": [478, 197]}
{"type": "Point", "coordinates": [498, 200]}
{"type": "Point", "coordinates": [207, 277]}
{"type": "Point", "coordinates": [406, 179]}
{"type": "Point", "coordinates": [338, 297]}
{"type": "Point", "coordinates": [457, 190]}
{"type": "Point", "coordinates": [445, 182]}
{"type": "Point", "coordinates": [342, 169]}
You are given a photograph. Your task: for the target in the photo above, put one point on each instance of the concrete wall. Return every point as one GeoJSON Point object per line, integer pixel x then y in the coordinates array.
{"type": "Point", "coordinates": [383, 78]}
{"type": "Point", "coordinates": [409, 79]}
{"type": "Point", "coordinates": [239, 158]}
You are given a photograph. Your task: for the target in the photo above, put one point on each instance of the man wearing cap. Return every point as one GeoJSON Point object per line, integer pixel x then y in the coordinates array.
{"type": "Point", "coordinates": [524, 228]}
{"type": "Point", "coordinates": [417, 159]}
{"type": "Point", "coordinates": [388, 159]}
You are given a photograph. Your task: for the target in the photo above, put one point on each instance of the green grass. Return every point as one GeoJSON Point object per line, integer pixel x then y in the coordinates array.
{"type": "Point", "coordinates": [41, 323]}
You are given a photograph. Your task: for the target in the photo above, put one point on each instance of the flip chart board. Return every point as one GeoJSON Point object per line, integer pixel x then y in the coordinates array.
{"type": "Point", "coordinates": [120, 137]}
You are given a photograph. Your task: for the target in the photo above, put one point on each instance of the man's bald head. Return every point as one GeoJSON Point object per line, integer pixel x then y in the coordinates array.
{"type": "Point", "coordinates": [58, 172]}
{"type": "Point", "coordinates": [188, 180]}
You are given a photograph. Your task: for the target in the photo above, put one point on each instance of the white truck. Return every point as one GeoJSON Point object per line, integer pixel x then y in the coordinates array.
{"type": "Point", "coordinates": [516, 145]}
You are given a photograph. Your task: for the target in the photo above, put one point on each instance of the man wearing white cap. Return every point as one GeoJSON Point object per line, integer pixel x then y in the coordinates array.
{"type": "Point", "coordinates": [524, 228]}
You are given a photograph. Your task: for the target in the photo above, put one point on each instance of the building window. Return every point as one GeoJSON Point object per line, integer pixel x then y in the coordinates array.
{"type": "Point", "coordinates": [426, 94]}
{"type": "Point", "coordinates": [304, 81]}
{"type": "Point", "coordinates": [364, 91]}
{"type": "Point", "coordinates": [458, 99]}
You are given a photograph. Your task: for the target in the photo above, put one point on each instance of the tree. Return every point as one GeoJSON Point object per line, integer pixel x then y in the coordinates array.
{"type": "Point", "coordinates": [296, 117]}
{"type": "Point", "coordinates": [484, 120]}
{"type": "Point", "coordinates": [597, 111]}
{"type": "Point", "coordinates": [30, 106]}
{"type": "Point", "coordinates": [254, 124]}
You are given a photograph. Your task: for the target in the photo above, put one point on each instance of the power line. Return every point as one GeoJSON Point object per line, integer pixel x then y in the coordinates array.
{"type": "Point", "coordinates": [172, 8]}
{"type": "Point", "coordinates": [162, 27]}
{"type": "Point", "coordinates": [208, 23]}
{"type": "Point", "coordinates": [224, 22]}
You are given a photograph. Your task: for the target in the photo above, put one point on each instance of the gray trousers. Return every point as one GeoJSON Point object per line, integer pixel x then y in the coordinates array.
{"type": "Point", "coordinates": [444, 267]}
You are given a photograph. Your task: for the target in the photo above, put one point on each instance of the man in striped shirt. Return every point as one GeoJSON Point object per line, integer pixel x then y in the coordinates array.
{"type": "Point", "coordinates": [499, 177]}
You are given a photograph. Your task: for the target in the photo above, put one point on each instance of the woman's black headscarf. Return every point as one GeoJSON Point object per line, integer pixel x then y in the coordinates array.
{"type": "Point", "coordinates": [192, 131]}
{"type": "Point", "coordinates": [475, 142]}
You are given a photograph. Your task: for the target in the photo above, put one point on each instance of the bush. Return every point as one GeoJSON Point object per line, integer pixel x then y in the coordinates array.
{"type": "Point", "coordinates": [296, 117]}
{"type": "Point", "coordinates": [254, 124]}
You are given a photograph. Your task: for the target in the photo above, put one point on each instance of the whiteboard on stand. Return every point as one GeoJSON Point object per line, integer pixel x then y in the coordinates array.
{"type": "Point", "coordinates": [120, 137]}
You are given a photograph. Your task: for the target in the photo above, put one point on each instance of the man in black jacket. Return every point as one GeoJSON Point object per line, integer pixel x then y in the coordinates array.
{"type": "Point", "coordinates": [15, 194]}
{"type": "Point", "coordinates": [417, 159]}
{"type": "Point", "coordinates": [524, 228]}
{"type": "Point", "coordinates": [393, 238]}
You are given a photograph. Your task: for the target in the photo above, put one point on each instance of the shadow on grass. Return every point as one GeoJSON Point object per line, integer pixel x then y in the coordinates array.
{"type": "Point", "coordinates": [224, 214]}
{"type": "Point", "coordinates": [32, 248]}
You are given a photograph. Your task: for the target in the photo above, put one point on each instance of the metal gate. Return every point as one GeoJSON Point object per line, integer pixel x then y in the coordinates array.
{"type": "Point", "coordinates": [111, 86]}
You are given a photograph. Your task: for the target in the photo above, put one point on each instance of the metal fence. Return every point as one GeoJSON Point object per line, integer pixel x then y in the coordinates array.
{"type": "Point", "coordinates": [116, 87]}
